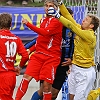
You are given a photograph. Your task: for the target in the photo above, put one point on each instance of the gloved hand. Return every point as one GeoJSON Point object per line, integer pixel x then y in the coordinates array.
{"type": "Point", "coordinates": [53, 12]}
{"type": "Point", "coordinates": [59, 2]}
{"type": "Point", "coordinates": [93, 94]}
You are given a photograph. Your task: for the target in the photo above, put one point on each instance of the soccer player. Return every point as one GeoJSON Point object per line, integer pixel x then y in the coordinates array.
{"type": "Point", "coordinates": [10, 45]}
{"type": "Point", "coordinates": [67, 52]}
{"type": "Point", "coordinates": [82, 76]}
{"type": "Point", "coordinates": [46, 58]}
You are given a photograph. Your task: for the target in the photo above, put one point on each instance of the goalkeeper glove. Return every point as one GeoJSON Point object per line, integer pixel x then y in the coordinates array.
{"type": "Point", "coordinates": [93, 94]}
{"type": "Point", "coordinates": [59, 2]}
{"type": "Point", "coordinates": [53, 12]}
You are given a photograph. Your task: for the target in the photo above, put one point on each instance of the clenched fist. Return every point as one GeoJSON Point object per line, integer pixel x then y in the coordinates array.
{"type": "Point", "coordinates": [24, 21]}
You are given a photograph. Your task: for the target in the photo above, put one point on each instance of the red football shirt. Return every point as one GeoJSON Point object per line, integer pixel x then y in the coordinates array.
{"type": "Point", "coordinates": [50, 36]}
{"type": "Point", "coordinates": [10, 45]}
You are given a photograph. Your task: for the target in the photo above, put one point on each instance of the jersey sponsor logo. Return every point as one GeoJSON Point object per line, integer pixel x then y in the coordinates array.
{"type": "Point", "coordinates": [7, 37]}
{"type": "Point", "coordinates": [65, 43]}
{"type": "Point", "coordinates": [70, 34]}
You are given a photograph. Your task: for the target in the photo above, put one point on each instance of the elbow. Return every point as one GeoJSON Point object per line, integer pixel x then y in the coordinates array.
{"type": "Point", "coordinates": [26, 56]}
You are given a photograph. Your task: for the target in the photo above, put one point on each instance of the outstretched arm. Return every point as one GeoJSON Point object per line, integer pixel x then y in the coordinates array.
{"type": "Point", "coordinates": [49, 30]}
{"type": "Point", "coordinates": [65, 13]}
{"type": "Point", "coordinates": [73, 26]}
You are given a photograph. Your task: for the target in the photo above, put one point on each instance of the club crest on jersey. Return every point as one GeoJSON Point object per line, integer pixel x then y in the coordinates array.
{"type": "Point", "coordinates": [69, 34]}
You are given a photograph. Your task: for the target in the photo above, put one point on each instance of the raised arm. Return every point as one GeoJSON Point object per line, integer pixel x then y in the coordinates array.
{"type": "Point", "coordinates": [49, 30]}
{"type": "Point", "coordinates": [66, 14]}
{"type": "Point", "coordinates": [73, 26]}
{"type": "Point", "coordinates": [77, 30]}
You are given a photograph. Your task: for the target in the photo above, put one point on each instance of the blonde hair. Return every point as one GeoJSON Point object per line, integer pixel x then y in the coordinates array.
{"type": "Point", "coordinates": [52, 1]}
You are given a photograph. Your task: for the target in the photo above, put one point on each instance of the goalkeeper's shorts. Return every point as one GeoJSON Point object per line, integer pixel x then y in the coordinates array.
{"type": "Point", "coordinates": [81, 81]}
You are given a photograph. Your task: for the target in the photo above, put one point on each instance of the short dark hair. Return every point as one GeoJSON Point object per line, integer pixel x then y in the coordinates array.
{"type": "Point", "coordinates": [70, 11]}
{"type": "Point", "coordinates": [5, 21]}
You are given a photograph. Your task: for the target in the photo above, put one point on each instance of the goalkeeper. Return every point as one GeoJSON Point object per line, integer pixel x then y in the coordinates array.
{"type": "Point", "coordinates": [82, 76]}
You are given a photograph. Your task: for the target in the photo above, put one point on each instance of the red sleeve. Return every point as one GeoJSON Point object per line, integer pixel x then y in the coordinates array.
{"type": "Point", "coordinates": [52, 28]}
{"type": "Point", "coordinates": [32, 49]}
{"type": "Point", "coordinates": [23, 52]}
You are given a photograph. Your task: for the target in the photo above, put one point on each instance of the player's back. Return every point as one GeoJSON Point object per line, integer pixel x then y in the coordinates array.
{"type": "Point", "coordinates": [9, 46]}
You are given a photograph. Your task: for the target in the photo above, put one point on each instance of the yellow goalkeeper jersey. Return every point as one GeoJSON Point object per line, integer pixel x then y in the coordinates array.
{"type": "Point", "coordinates": [84, 42]}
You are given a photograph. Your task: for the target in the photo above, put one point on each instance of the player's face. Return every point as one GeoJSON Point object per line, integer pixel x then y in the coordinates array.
{"type": "Point", "coordinates": [86, 23]}
{"type": "Point", "coordinates": [47, 6]}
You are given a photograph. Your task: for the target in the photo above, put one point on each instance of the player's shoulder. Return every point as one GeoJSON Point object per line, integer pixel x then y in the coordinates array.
{"type": "Point", "coordinates": [14, 35]}
{"type": "Point", "coordinates": [50, 18]}
{"type": "Point", "coordinates": [56, 21]}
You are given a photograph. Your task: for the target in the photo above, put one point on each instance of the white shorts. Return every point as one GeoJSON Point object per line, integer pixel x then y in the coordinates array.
{"type": "Point", "coordinates": [81, 81]}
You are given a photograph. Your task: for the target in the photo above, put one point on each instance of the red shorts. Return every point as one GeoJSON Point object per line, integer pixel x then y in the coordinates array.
{"type": "Point", "coordinates": [7, 85]}
{"type": "Point", "coordinates": [42, 67]}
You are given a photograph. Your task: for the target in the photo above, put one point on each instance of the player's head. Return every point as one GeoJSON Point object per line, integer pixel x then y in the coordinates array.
{"type": "Point", "coordinates": [70, 11]}
{"type": "Point", "coordinates": [90, 22]}
{"type": "Point", "coordinates": [5, 21]}
{"type": "Point", "coordinates": [50, 3]}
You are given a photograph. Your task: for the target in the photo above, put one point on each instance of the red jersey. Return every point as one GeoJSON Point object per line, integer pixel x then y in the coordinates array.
{"type": "Point", "coordinates": [10, 45]}
{"type": "Point", "coordinates": [50, 36]}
